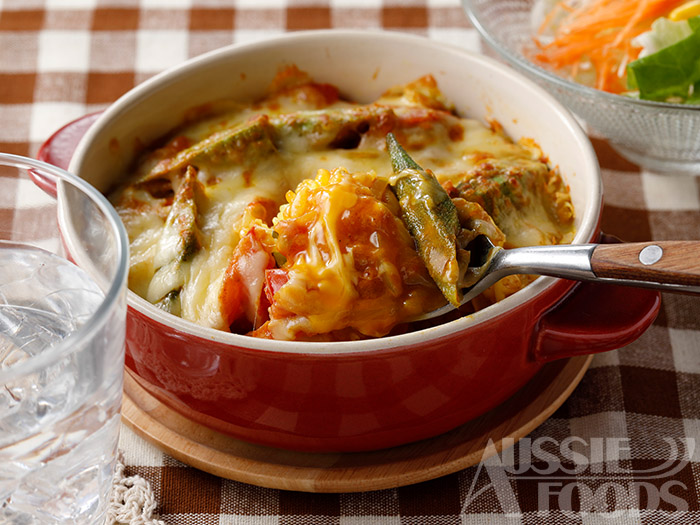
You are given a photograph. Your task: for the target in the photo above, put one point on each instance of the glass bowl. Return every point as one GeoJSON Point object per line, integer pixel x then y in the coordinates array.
{"type": "Point", "coordinates": [657, 136]}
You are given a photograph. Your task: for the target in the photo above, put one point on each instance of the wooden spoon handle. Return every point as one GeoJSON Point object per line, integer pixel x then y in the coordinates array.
{"type": "Point", "coordinates": [672, 262]}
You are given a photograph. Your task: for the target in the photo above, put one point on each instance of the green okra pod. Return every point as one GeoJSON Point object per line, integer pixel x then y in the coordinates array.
{"type": "Point", "coordinates": [235, 145]}
{"type": "Point", "coordinates": [255, 139]}
{"type": "Point", "coordinates": [181, 223]}
{"type": "Point", "coordinates": [336, 128]}
{"type": "Point", "coordinates": [431, 218]}
{"type": "Point", "coordinates": [179, 242]}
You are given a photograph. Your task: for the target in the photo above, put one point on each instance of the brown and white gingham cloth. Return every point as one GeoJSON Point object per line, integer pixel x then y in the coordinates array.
{"type": "Point", "coordinates": [621, 450]}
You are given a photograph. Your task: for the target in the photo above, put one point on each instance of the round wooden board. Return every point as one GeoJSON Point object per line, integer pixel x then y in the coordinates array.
{"type": "Point", "coordinates": [221, 455]}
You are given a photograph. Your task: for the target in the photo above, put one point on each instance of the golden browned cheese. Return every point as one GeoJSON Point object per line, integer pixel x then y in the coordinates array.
{"type": "Point", "coordinates": [276, 219]}
{"type": "Point", "coordinates": [350, 263]}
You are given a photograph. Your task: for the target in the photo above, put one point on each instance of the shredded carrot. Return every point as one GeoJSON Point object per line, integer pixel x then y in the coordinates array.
{"type": "Point", "coordinates": [599, 33]}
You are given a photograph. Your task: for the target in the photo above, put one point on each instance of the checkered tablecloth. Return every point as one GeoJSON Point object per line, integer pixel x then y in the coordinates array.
{"type": "Point", "coordinates": [623, 449]}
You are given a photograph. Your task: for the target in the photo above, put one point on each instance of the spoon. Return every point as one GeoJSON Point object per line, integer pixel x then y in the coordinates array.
{"type": "Point", "coordinates": [672, 266]}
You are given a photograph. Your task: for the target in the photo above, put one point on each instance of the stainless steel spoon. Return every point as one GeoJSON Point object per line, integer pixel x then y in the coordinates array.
{"type": "Point", "coordinates": [672, 266]}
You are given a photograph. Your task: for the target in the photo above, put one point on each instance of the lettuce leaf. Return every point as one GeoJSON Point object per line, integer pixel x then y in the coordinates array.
{"type": "Point", "coordinates": [670, 73]}
{"type": "Point", "coordinates": [663, 33]}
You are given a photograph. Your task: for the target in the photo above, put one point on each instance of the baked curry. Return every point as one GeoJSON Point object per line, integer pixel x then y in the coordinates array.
{"type": "Point", "coordinates": [293, 218]}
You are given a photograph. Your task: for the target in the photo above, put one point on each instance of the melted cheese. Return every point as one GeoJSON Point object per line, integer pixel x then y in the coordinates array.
{"type": "Point", "coordinates": [458, 150]}
{"type": "Point", "coordinates": [349, 270]}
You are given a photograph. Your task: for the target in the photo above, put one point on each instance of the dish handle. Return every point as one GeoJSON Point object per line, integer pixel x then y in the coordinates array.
{"type": "Point", "coordinates": [593, 318]}
{"type": "Point", "coordinates": [59, 148]}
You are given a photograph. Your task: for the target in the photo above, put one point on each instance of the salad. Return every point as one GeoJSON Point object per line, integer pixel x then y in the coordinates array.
{"type": "Point", "coordinates": [649, 49]}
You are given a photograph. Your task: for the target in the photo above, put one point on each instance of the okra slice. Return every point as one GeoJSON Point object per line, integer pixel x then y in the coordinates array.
{"type": "Point", "coordinates": [238, 145]}
{"type": "Point", "coordinates": [338, 128]}
{"type": "Point", "coordinates": [181, 225]}
{"type": "Point", "coordinates": [171, 302]}
{"type": "Point", "coordinates": [180, 240]}
{"type": "Point", "coordinates": [245, 144]}
{"type": "Point", "coordinates": [431, 218]}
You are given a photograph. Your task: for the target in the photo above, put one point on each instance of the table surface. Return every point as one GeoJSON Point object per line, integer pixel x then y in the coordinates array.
{"type": "Point", "coordinates": [61, 59]}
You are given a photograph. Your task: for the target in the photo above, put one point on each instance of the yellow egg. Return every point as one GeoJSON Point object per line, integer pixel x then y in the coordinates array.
{"type": "Point", "coordinates": [685, 11]}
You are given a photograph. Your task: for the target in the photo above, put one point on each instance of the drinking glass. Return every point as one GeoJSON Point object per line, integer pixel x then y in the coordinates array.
{"type": "Point", "coordinates": [63, 267]}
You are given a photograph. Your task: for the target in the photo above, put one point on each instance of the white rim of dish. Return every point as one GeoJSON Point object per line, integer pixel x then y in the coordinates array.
{"type": "Point", "coordinates": [519, 60]}
{"type": "Point", "coordinates": [584, 234]}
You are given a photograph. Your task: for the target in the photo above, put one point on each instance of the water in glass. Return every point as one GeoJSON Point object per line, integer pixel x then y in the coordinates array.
{"type": "Point", "coordinates": [59, 418]}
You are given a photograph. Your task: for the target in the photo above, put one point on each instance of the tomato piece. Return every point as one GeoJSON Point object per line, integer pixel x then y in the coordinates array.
{"type": "Point", "coordinates": [242, 298]}
{"type": "Point", "coordinates": [275, 278]}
